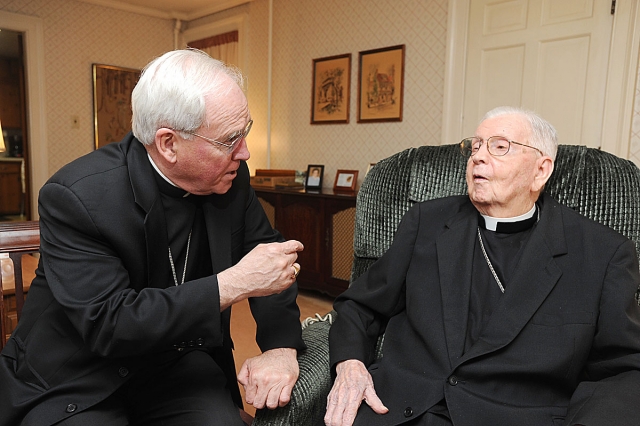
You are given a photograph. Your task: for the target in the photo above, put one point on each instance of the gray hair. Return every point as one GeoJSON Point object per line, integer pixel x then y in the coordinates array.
{"type": "Point", "coordinates": [173, 90]}
{"type": "Point", "coordinates": [543, 135]}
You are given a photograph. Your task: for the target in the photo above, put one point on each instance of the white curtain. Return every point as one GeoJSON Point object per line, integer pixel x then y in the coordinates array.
{"type": "Point", "coordinates": [222, 46]}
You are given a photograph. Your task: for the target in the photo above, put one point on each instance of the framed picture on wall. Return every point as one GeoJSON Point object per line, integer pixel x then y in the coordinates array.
{"type": "Point", "coordinates": [315, 172]}
{"type": "Point", "coordinates": [330, 89]}
{"type": "Point", "coordinates": [345, 181]}
{"type": "Point", "coordinates": [112, 87]}
{"type": "Point", "coordinates": [381, 84]}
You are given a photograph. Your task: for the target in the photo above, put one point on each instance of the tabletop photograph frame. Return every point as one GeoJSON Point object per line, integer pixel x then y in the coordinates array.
{"type": "Point", "coordinates": [313, 180]}
{"type": "Point", "coordinates": [345, 181]}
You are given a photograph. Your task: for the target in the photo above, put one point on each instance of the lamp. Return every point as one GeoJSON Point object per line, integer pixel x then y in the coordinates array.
{"type": "Point", "coordinates": [2, 146]}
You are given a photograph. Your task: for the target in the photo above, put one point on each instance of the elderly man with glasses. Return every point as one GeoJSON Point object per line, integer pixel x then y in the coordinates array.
{"type": "Point", "coordinates": [502, 307]}
{"type": "Point", "coordinates": [145, 246]}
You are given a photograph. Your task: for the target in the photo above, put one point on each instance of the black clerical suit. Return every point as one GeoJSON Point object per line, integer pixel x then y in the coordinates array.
{"type": "Point", "coordinates": [560, 346]}
{"type": "Point", "coordinates": [104, 303]}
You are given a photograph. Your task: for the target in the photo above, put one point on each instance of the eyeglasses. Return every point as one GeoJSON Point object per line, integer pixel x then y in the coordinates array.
{"type": "Point", "coordinates": [232, 140]}
{"type": "Point", "coordinates": [497, 146]}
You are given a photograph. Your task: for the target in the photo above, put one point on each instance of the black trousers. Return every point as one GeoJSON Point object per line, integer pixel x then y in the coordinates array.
{"type": "Point", "coordinates": [187, 391]}
{"type": "Point", "coordinates": [426, 419]}
{"type": "Point", "coordinates": [431, 419]}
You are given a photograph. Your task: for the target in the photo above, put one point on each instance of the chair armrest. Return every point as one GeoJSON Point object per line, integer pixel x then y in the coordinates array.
{"type": "Point", "coordinates": [309, 396]}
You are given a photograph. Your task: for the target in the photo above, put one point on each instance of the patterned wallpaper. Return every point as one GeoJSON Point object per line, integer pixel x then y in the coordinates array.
{"type": "Point", "coordinates": [309, 29]}
{"type": "Point", "coordinates": [304, 30]}
{"type": "Point", "coordinates": [77, 34]}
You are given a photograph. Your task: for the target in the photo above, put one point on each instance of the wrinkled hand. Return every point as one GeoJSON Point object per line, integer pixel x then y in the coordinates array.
{"type": "Point", "coordinates": [265, 270]}
{"type": "Point", "coordinates": [353, 385]}
{"type": "Point", "coordinates": [269, 378]}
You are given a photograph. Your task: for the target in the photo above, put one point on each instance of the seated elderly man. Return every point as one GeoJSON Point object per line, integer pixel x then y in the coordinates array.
{"type": "Point", "coordinates": [502, 307]}
{"type": "Point", "coordinates": [145, 245]}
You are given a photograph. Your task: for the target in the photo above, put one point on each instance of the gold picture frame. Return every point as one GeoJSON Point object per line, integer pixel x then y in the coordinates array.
{"type": "Point", "coordinates": [381, 84]}
{"type": "Point", "coordinates": [331, 89]}
{"type": "Point", "coordinates": [112, 87]}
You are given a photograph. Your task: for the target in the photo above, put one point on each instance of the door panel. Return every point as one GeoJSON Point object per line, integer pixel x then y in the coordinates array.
{"type": "Point", "coordinates": [561, 84]}
{"type": "Point", "coordinates": [555, 12]}
{"type": "Point", "coordinates": [501, 77]}
{"type": "Point", "coordinates": [503, 17]}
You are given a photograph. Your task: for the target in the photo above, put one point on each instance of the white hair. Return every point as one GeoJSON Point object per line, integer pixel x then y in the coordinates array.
{"type": "Point", "coordinates": [542, 134]}
{"type": "Point", "coordinates": [172, 90]}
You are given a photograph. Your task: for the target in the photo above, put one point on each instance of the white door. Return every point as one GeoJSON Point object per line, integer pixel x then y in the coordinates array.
{"type": "Point", "coordinates": [550, 56]}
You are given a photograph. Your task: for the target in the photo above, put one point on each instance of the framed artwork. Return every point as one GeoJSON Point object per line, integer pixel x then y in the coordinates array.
{"type": "Point", "coordinates": [112, 87]}
{"type": "Point", "coordinates": [330, 89]}
{"type": "Point", "coordinates": [381, 84]}
{"type": "Point", "coordinates": [345, 180]}
{"type": "Point", "coordinates": [314, 177]}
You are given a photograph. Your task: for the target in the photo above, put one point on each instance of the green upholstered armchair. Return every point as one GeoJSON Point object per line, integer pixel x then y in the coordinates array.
{"type": "Point", "coordinates": [599, 185]}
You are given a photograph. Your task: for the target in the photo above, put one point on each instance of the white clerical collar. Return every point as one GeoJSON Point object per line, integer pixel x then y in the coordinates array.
{"type": "Point", "coordinates": [491, 223]}
{"type": "Point", "coordinates": [162, 174]}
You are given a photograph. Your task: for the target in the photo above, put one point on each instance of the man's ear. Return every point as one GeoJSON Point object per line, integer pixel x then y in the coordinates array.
{"type": "Point", "coordinates": [543, 172]}
{"type": "Point", "coordinates": [166, 144]}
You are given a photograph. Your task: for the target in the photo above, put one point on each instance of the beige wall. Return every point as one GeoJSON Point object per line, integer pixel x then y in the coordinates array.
{"type": "Point", "coordinates": [307, 29]}
{"type": "Point", "coordinates": [76, 35]}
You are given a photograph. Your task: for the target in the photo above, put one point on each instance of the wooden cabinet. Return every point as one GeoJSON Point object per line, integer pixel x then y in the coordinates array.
{"type": "Point", "coordinates": [324, 223]}
{"type": "Point", "coordinates": [10, 187]}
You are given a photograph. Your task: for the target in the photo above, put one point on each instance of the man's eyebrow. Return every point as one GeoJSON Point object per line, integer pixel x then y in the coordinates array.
{"type": "Point", "coordinates": [233, 134]}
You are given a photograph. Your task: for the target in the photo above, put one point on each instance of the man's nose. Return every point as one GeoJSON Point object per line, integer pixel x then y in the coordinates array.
{"type": "Point", "coordinates": [482, 153]}
{"type": "Point", "coordinates": [241, 152]}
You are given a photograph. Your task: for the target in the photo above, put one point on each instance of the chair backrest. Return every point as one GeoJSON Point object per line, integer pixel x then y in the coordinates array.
{"type": "Point", "coordinates": [16, 239]}
{"type": "Point", "coordinates": [597, 184]}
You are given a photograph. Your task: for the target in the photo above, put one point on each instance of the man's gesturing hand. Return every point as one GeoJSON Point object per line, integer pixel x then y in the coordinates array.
{"type": "Point", "coordinates": [265, 270]}
{"type": "Point", "coordinates": [353, 385]}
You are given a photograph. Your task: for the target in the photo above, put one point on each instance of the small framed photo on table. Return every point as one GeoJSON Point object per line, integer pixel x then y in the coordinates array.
{"type": "Point", "coordinates": [314, 177]}
{"type": "Point", "coordinates": [345, 181]}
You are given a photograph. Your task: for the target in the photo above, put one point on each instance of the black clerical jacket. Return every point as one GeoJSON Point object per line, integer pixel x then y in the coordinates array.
{"type": "Point", "coordinates": [562, 345]}
{"type": "Point", "coordinates": [104, 303]}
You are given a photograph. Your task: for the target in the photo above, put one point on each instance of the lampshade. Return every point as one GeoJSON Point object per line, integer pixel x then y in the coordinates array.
{"type": "Point", "coordinates": [2, 146]}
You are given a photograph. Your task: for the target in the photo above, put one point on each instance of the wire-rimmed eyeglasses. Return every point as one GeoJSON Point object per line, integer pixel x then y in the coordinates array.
{"type": "Point", "coordinates": [496, 145]}
{"type": "Point", "coordinates": [232, 140]}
